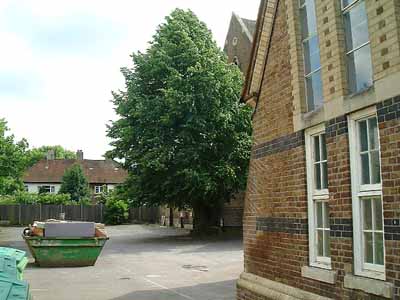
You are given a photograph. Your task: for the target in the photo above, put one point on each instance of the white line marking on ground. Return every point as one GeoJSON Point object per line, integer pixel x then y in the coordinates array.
{"type": "Point", "coordinates": [168, 289]}
{"type": "Point", "coordinates": [153, 276]}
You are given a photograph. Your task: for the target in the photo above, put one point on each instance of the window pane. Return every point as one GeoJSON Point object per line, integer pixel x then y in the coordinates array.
{"type": "Point", "coordinates": [319, 214]}
{"type": "Point", "coordinates": [378, 214]}
{"type": "Point", "coordinates": [309, 21]}
{"type": "Point", "coordinates": [363, 136]}
{"type": "Point", "coordinates": [375, 167]}
{"type": "Point", "coordinates": [326, 215]}
{"type": "Point", "coordinates": [365, 168]}
{"type": "Point", "coordinates": [368, 248]}
{"type": "Point", "coordinates": [312, 60]}
{"type": "Point", "coordinates": [347, 2]}
{"type": "Point", "coordinates": [360, 69]}
{"type": "Point", "coordinates": [323, 147]}
{"type": "Point", "coordinates": [327, 246]}
{"type": "Point", "coordinates": [356, 26]}
{"type": "Point", "coordinates": [320, 242]}
{"type": "Point", "coordinates": [314, 91]}
{"type": "Point", "coordinates": [316, 149]}
{"type": "Point", "coordinates": [379, 249]}
{"type": "Point", "coordinates": [324, 181]}
{"type": "Point", "coordinates": [317, 171]}
{"type": "Point", "coordinates": [367, 214]}
{"type": "Point", "coordinates": [373, 133]}
{"type": "Point", "coordinates": [304, 24]}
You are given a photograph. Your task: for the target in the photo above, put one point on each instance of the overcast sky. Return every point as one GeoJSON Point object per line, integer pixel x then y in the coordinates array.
{"type": "Point", "coordinates": [60, 60]}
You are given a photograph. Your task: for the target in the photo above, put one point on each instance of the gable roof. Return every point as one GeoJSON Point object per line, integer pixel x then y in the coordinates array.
{"type": "Point", "coordinates": [239, 40]}
{"type": "Point", "coordinates": [248, 26]}
{"type": "Point", "coordinates": [260, 50]}
{"type": "Point", "coordinates": [96, 171]}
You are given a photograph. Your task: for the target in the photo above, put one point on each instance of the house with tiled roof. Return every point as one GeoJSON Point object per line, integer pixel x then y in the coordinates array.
{"type": "Point", "coordinates": [47, 174]}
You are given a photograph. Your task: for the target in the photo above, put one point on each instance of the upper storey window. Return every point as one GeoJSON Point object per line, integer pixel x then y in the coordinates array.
{"type": "Point", "coordinates": [359, 62]}
{"type": "Point", "coordinates": [312, 61]}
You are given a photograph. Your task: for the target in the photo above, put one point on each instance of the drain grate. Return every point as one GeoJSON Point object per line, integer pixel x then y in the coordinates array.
{"type": "Point", "coordinates": [196, 268]}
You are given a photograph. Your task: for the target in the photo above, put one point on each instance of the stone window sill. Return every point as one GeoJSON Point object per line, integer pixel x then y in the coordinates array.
{"type": "Point", "coordinates": [319, 274]}
{"type": "Point", "coordinates": [370, 286]}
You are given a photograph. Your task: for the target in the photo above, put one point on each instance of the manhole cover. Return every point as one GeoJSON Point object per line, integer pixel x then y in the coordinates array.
{"type": "Point", "coordinates": [196, 268]}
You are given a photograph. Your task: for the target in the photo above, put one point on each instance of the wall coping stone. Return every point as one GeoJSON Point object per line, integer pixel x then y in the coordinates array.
{"type": "Point", "coordinates": [319, 274]}
{"type": "Point", "coordinates": [370, 286]}
{"type": "Point", "coordinates": [274, 290]}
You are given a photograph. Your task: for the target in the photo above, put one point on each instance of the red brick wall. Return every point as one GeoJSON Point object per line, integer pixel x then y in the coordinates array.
{"type": "Point", "coordinates": [242, 49]}
{"type": "Point", "coordinates": [274, 114]}
{"type": "Point", "coordinates": [275, 216]}
{"type": "Point", "coordinates": [389, 130]}
{"type": "Point", "coordinates": [233, 211]}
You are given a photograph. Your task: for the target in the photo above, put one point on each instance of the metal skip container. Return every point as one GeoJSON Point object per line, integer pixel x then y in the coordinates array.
{"type": "Point", "coordinates": [65, 251]}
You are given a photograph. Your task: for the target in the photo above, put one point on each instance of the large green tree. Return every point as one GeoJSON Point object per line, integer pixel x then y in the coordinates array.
{"type": "Point", "coordinates": [182, 133]}
{"type": "Point", "coordinates": [75, 183]}
{"type": "Point", "coordinates": [59, 153]}
{"type": "Point", "coordinates": [14, 159]}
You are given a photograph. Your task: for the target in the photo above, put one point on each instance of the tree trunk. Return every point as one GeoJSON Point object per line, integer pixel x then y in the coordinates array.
{"type": "Point", "coordinates": [171, 216]}
{"type": "Point", "coordinates": [206, 219]}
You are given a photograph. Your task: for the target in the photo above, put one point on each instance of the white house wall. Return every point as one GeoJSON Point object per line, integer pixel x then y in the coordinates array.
{"type": "Point", "coordinates": [34, 187]}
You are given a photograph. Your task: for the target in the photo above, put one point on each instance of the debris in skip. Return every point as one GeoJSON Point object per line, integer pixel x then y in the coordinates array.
{"type": "Point", "coordinates": [56, 243]}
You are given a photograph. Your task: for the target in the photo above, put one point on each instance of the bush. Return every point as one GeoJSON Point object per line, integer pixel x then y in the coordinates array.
{"type": "Point", "coordinates": [116, 211]}
{"type": "Point", "coordinates": [28, 198]}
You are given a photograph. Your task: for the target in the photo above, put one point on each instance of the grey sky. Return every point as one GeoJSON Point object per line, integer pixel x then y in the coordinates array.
{"type": "Point", "coordinates": [60, 60]}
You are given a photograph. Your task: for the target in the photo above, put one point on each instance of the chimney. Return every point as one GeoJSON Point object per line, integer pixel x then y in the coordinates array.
{"type": "Point", "coordinates": [51, 155]}
{"type": "Point", "coordinates": [79, 155]}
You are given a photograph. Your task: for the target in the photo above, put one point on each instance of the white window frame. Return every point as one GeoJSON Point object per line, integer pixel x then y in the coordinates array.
{"type": "Point", "coordinates": [98, 189]}
{"type": "Point", "coordinates": [313, 196]}
{"type": "Point", "coordinates": [346, 9]}
{"type": "Point", "coordinates": [360, 191]}
{"type": "Point", "coordinates": [52, 188]}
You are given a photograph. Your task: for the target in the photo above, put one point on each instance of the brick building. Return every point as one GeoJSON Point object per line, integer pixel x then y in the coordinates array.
{"type": "Point", "coordinates": [322, 205]}
{"type": "Point", "coordinates": [238, 45]}
{"type": "Point", "coordinates": [239, 40]}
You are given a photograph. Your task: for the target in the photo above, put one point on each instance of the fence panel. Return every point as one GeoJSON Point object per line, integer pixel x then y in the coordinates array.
{"type": "Point", "coordinates": [30, 213]}
{"type": "Point", "coordinates": [10, 214]}
{"type": "Point", "coordinates": [99, 213]}
{"type": "Point", "coordinates": [25, 214]}
{"type": "Point", "coordinates": [51, 212]}
{"type": "Point", "coordinates": [134, 214]}
{"type": "Point", "coordinates": [89, 213]}
{"type": "Point", "coordinates": [73, 212]}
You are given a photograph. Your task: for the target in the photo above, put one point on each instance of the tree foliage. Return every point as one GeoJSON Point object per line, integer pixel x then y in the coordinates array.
{"type": "Point", "coordinates": [59, 153]}
{"type": "Point", "coordinates": [75, 183]}
{"type": "Point", "coordinates": [116, 209]}
{"type": "Point", "coordinates": [182, 133]}
{"type": "Point", "coordinates": [14, 159]}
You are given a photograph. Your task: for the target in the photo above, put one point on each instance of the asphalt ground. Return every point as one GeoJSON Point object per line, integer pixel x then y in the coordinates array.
{"type": "Point", "coordinates": [142, 262]}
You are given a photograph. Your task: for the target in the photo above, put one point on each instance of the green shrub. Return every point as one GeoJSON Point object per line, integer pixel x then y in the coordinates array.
{"type": "Point", "coordinates": [116, 211]}
{"type": "Point", "coordinates": [50, 199]}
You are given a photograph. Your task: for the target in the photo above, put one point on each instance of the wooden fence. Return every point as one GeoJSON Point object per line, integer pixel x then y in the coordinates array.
{"type": "Point", "coordinates": [24, 214]}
